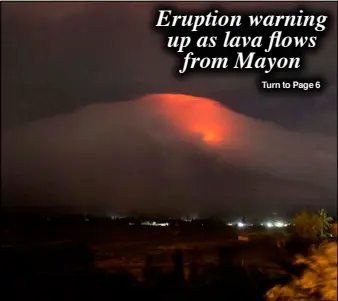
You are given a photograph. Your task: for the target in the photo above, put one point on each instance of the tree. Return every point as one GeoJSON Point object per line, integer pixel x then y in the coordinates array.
{"type": "Point", "coordinates": [318, 281]}
{"type": "Point", "coordinates": [326, 223]}
{"type": "Point", "coordinates": [307, 224]}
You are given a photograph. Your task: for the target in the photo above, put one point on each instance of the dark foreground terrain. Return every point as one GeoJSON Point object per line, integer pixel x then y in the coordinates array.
{"type": "Point", "coordinates": [96, 260]}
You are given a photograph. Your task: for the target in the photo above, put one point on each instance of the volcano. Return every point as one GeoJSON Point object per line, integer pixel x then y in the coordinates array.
{"type": "Point", "coordinates": [164, 152]}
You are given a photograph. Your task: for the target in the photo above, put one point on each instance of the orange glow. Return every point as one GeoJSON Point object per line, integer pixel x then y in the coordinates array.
{"type": "Point", "coordinates": [195, 115]}
{"type": "Point", "coordinates": [210, 137]}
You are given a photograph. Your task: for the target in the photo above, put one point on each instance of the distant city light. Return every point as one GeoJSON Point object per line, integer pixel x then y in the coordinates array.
{"type": "Point", "coordinates": [162, 224]}
{"type": "Point", "coordinates": [240, 225]}
{"type": "Point", "coordinates": [279, 224]}
{"type": "Point", "coordinates": [151, 223]}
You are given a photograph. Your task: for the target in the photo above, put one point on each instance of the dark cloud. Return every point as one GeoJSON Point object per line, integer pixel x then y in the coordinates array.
{"type": "Point", "coordinates": [57, 57]}
{"type": "Point", "coordinates": [79, 65]}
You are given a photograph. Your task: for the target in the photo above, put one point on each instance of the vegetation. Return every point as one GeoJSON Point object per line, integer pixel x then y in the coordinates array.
{"type": "Point", "coordinates": [313, 225]}
{"type": "Point", "coordinates": [326, 223]}
{"type": "Point", "coordinates": [308, 224]}
{"type": "Point", "coordinates": [318, 281]}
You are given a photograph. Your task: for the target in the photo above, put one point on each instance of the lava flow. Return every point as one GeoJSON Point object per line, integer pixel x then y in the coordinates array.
{"type": "Point", "coordinates": [201, 117]}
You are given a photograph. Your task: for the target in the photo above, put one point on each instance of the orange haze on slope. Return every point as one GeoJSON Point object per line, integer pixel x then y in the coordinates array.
{"type": "Point", "coordinates": [194, 115]}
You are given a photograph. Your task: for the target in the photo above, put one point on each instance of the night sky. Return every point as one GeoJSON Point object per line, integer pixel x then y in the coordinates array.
{"type": "Point", "coordinates": [80, 128]}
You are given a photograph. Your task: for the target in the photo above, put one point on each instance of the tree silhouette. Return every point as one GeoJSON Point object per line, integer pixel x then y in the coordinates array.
{"type": "Point", "coordinates": [326, 223]}
{"type": "Point", "coordinates": [318, 281]}
{"type": "Point", "coordinates": [308, 224]}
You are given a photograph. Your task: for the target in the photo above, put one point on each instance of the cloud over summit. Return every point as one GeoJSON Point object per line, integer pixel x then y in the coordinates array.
{"type": "Point", "coordinates": [165, 152]}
